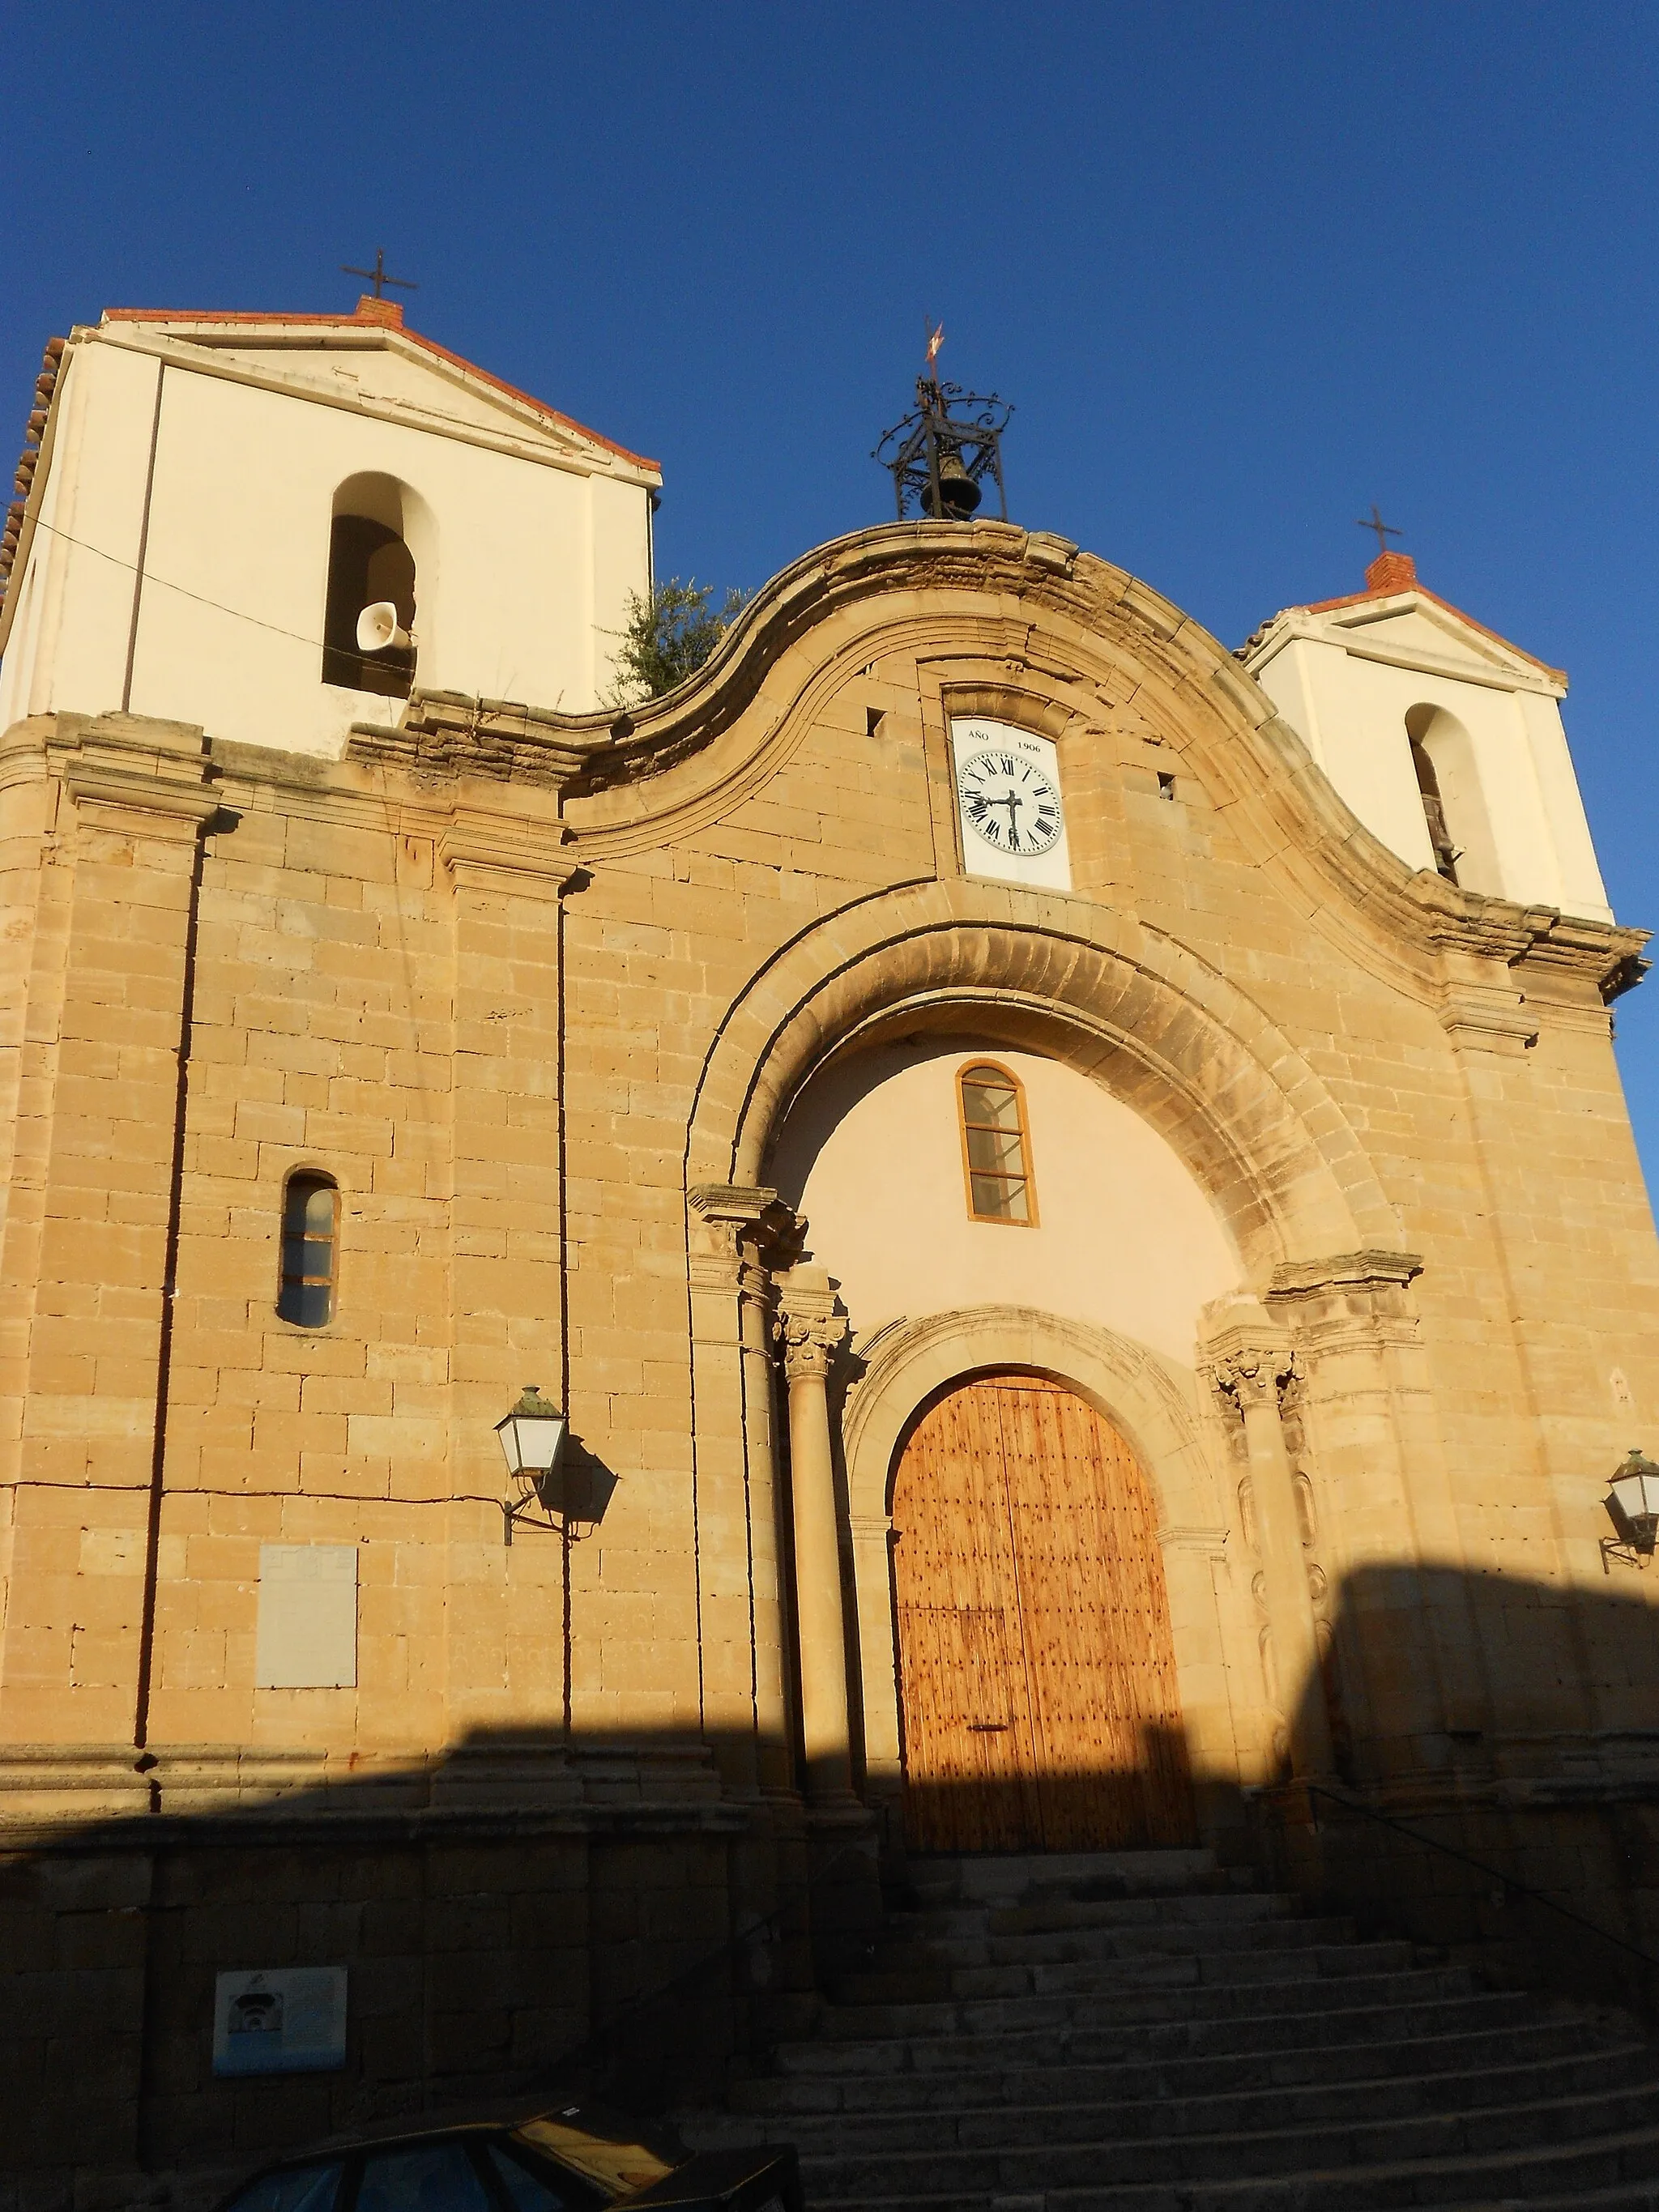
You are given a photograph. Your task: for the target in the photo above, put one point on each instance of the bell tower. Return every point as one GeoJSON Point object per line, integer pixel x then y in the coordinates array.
{"type": "Point", "coordinates": [277, 526]}
{"type": "Point", "coordinates": [942, 451]}
{"type": "Point", "coordinates": [1444, 738]}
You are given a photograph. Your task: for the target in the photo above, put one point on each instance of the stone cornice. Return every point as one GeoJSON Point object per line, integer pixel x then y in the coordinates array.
{"type": "Point", "coordinates": [739, 1233]}
{"type": "Point", "coordinates": [1368, 1272]}
{"type": "Point", "coordinates": [449, 734]}
{"type": "Point", "coordinates": [93, 1797]}
{"type": "Point", "coordinates": [1079, 617]}
{"type": "Point", "coordinates": [493, 854]}
{"type": "Point", "coordinates": [1479, 658]}
{"type": "Point", "coordinates": [129, 764]}
{"type": "Point", "coordinates": [1008, 607]}
{"type": "Point", "coordinates": [282, 1828]}
{"type": "Point", "coordinates": [743, 1203]}
{"type": "Point", "coordinates": [140, 794]}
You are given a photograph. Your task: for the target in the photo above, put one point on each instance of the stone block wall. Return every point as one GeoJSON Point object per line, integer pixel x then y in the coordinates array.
{"type": "Point", "coordinates": [537, 991]}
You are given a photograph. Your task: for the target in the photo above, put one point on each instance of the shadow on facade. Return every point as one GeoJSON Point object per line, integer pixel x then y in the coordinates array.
{"type": "Point", "coordinates": [524, 1915]}
{"type": "Point", "coordinates": [518, 1913]}
{"type": "Point", "coordinates": [1497, 1791]}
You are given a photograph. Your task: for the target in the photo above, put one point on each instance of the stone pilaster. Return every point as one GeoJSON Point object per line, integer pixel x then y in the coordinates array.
{"type": "Point", "coordinates": [91, 1237]}
{"type": "Point", "coordinates": [737, 1233]}
{"type": "Point", "coordinates": [1248, 1359]}
{"type": "Point", "coordinates": [1402, 1603]}
{"type": "Point", "coordinates": [812, 1330]}
{"type": "Point", "coordinates": [501, 1131]}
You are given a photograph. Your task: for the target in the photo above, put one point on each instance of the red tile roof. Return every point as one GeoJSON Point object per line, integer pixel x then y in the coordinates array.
{"type": "Point", "coordinates": [386, 314]}
{"type": "Point", "coordinates": [1389, 575]}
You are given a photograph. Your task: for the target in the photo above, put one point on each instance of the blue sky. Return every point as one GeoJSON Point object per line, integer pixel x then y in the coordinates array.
{"type": "Point", "coordinates": [1241, 268]}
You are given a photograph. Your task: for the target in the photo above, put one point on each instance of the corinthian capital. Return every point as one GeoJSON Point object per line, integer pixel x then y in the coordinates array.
{"type": "Point", "coordinates": [810, 1326]}
{"type": "Point", "coordinates": [1246, 1354]}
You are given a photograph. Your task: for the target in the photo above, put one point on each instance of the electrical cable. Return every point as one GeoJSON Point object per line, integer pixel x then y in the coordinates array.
{"type": "Point", "coordinates": [184, 590]}
{"type": "Point", "coordinates": [338, 1497]}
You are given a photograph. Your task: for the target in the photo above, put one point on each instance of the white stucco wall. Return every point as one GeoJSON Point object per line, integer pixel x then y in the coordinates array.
{"type": "Point", "coordinates": [533, 564]}
{"type": "Point", "coordinates": [871, 1154]}
{"type": "Point", "coordinates": [1361, 743]}
{"type": "Point", "coordinates": [1346, 684]}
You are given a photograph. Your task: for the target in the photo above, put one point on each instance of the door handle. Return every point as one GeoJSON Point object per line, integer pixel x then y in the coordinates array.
{"type": "Point", "coordinates": [988, 1728]}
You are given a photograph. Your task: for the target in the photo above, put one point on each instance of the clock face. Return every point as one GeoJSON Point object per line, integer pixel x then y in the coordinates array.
{"type": "Point", "coordinates": [1011, 803]}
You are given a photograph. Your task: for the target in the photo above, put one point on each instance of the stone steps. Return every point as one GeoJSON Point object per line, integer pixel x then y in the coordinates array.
{"type": "Point", "coordinates": [1141, 2005]}
{"type": "Point", "coordinates": [1209, 1967]}
{"type": "Point", "coordinates": [1620, 2172]}
{"type": "Point", "coordinates": [1172, 2036]}
{"type": "Point", "coordinates": [905, 1949]}
{"type": "Point", "coordinates": [945, 2124]}
{"type": "Point", "coordinates": [1021, 1876]}
{"type": "Point", "coordinates": [1137, 2033]}
{"type": "Point", "coordinates": [1108, 2166]}
{"type": "Point", "coordinates": [1057, 1914]}
{"type": "Point", "coordinates": [1355, 2068]}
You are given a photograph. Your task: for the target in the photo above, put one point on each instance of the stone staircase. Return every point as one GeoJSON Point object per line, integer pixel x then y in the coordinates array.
{"type": "Point", "coordinates": [1134, 2031]}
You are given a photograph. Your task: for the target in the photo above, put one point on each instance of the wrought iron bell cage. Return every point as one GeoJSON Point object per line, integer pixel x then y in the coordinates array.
{"type": "Point", "coordinates": [942, 452]}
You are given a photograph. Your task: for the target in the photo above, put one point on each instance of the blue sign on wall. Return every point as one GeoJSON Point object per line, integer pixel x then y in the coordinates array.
{"type": "Point", "coordinates": [280, 2020]}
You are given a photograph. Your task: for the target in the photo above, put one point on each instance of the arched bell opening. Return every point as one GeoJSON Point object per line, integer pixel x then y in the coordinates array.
{"type": "Point", "coordinates": [1454, 802]}
{"type": "Point", "coordinates": [380, 556]}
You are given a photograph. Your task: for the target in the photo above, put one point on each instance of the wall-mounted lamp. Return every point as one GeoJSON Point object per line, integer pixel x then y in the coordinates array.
{"type": "Point", "coordinates": [533, 1438]}
{"type": "Point", "coordinates": [1632, 1504]}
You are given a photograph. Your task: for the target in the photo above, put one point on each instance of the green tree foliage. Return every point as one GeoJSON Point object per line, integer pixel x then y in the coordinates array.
{"type": "Point", "coordinates": [668, 635]}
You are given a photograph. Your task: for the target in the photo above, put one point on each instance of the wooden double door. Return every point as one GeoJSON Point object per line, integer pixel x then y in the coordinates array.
{"type": "Point", "coordinates": [1036, 1666]}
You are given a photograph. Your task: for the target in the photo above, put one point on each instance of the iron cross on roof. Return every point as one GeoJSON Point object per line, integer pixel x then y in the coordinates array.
{"type": "Point", "coordinates": [1384, 530]}
{"type": "Point", "coordinates": [377, 275]}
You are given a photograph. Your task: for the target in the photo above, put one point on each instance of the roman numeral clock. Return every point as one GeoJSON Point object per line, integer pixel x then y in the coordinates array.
{"type": "Point", "coordinates": [1009, 802]}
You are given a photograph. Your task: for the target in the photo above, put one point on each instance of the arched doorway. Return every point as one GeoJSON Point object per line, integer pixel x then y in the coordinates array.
{"type": "Point", "coordinates": [1036, 1664]}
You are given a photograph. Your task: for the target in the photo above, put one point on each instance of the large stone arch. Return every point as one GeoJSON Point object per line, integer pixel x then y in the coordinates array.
{"type": "Point", "coordinates": [1142, 1015]}
{"type": "Point", "coordinates": [1154, 1405]}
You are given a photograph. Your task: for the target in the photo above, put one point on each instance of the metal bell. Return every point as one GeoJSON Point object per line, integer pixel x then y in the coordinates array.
{"type": "Point", "coordinates": [958, 495]}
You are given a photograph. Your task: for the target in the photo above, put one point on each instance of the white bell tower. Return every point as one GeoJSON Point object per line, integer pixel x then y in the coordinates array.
{"type": "Point", "coordinates": [1444, 739]}
{"type": "Point", "coordinates": [212, 501]}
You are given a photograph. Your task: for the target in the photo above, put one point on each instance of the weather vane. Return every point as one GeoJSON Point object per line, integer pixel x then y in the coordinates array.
{"type": "Point", "coordinates": [377, 275]}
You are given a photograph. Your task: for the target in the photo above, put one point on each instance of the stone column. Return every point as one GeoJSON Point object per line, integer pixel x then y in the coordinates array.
{"type": "Point", "coordinates": [739, 1233]}
{"type": "Point", "coordinates": [811, 1332]}
{"type": "Point", "coordinates": [1249, 1358]}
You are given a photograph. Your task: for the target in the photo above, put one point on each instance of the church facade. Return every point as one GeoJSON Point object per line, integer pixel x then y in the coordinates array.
{"type": "Point", "coordinates": [1070, 1186]}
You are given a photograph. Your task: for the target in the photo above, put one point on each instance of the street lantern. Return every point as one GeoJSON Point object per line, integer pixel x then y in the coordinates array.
{"type": "Point", "coordinates": [1632, 1504]}
{"type": "Point", "coordinates": [533, 1436]}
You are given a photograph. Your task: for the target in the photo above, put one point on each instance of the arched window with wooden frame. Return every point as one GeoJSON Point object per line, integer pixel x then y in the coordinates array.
{"type": "Point", "coordinates": [311, 1238]}
{"type": "Point", "coordinates": [996, 1144]}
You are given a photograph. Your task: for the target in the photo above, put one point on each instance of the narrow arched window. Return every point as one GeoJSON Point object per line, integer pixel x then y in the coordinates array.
{"type": "Point", "coordinates": [311, 1222]}
{"type": "Point", "coordinates": [996, 1148]}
